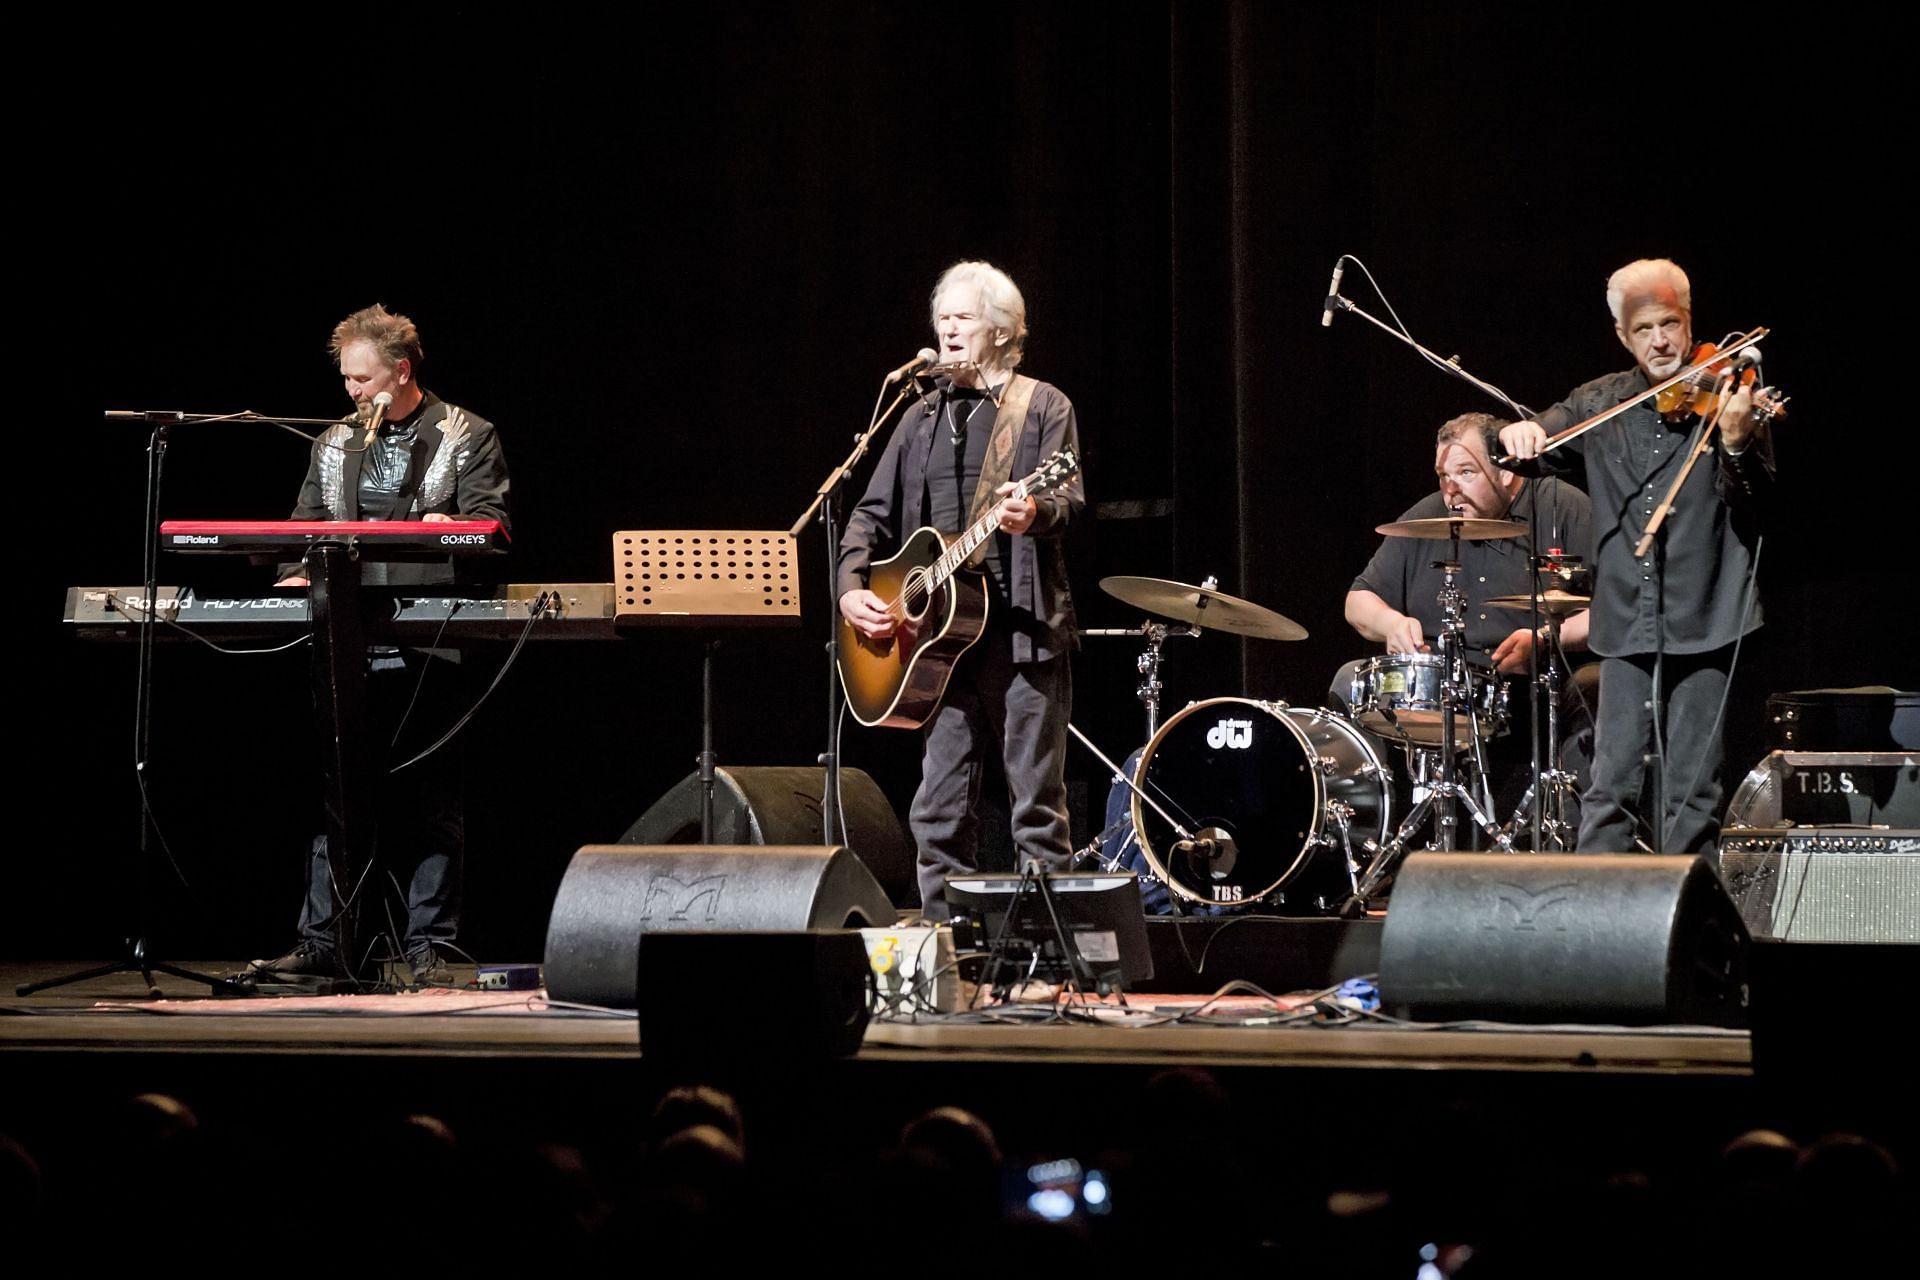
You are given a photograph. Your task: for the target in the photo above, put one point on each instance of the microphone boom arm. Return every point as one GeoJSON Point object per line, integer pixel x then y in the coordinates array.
{"type": "Point", "coordinates": [1449, 364]}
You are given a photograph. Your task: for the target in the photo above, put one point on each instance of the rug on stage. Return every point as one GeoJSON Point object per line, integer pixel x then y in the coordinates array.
{"type": "Point", "coordinates": [430, 1002]}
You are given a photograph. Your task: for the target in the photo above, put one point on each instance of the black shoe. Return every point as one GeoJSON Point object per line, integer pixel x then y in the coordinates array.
{"type": "Point", "coordinates": [308, 959]}
{"type": "Point", "coordinates": [430, 968]}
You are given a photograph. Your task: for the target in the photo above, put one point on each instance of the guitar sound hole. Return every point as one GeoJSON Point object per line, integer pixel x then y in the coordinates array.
{"type": "Point", "coordinates": [914, 597]}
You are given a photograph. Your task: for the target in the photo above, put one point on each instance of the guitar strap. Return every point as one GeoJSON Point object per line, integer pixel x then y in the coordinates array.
{"type": "Point", "coordinates": [997, 467]}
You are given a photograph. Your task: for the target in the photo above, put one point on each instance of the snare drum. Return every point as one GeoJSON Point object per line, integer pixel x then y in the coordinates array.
{"type": "Point", "coordinates": [1398, 696]}
{"type": "Point", "coordinates": [1283, 794]}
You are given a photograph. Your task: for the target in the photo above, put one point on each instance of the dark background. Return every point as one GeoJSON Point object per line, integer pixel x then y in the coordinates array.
{"type": "Point", "coordinates": [671, 259]}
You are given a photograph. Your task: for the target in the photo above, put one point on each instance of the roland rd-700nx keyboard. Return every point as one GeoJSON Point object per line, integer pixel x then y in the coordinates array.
{"type": "Point", "coordinates": [414, 615]}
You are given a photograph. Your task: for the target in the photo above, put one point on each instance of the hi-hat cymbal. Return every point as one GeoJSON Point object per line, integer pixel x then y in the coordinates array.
{"type": "Point", "coordinates": [1466, 528]}
{"type": "Point", "coordinates": [1203, 607]}
{"type": "Point", "coordinates": [1555, 603]}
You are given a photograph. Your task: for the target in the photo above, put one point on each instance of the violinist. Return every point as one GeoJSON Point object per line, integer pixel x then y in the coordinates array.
{"type": "Point", "coordinates": [1667, 622]}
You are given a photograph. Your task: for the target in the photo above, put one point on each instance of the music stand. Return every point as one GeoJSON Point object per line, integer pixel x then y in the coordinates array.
{"type": "Point", "coordinates": [1088, 929]}
{"type": "Point", "coordinates": [713, 579]}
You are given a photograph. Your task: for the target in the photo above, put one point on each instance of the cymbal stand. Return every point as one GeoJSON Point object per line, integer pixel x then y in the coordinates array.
{"type": "Point", "coordinates": [1148, 663]}
{"type": "Point", "coordinates": [1551, 783]}
{"type": "Point", "coordinates": [1448, 790]}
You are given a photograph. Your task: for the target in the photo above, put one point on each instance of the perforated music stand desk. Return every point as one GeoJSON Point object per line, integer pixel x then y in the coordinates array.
{"type": "Point", "coordinates": [715, 579]}
{"type": "Point", "coordinates": [710, 580]}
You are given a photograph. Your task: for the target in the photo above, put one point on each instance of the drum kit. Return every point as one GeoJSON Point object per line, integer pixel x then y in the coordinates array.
{"type": "Point", "coordinates": [1236, 802]}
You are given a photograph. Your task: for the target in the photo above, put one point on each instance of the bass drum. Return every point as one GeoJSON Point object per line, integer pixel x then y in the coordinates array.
{"type": "Point", "coordinates": [1282, 793]}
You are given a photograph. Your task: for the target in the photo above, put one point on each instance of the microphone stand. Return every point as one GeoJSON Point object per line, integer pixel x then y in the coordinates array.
{"type": "Point", "coordinates": [824, 501]}
{"type": "Point", "coordinates": [1450, 364]}
{"type": "Point", "coordinates": [139, 957]}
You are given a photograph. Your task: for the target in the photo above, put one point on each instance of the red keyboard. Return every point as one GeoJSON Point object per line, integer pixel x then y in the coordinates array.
{"type": "Point", "coordinates": [416, 537]}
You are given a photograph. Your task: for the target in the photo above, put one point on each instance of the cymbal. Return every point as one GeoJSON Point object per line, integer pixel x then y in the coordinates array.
{"type": "Point", "coordinates": [1554, 602]}
{"type": "Point", "coordinates": [1466, 528]}
{"type": "Point", "coordinates": [1203, 607]}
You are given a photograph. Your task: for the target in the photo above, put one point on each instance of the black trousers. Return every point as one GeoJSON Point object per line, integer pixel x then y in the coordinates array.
{"type": "Point", "coordinates": [412, 889]}
{"type": "Point", "coordinates": [1019, 711]}
{"type": "Point", "coordinates": [1627, 756]}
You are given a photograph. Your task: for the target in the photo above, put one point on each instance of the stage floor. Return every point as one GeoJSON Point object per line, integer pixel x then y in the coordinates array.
{"type": "Point", "coordinates": [1346, 1103]}
{"type": "Point", "coordinates": [114, 1014]}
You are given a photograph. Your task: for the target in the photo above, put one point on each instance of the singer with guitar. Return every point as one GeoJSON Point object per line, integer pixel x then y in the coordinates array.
{"type": "Point", "coordinates": [953, 461]}
{"type": "Point", "coordinates": [1666, 620]}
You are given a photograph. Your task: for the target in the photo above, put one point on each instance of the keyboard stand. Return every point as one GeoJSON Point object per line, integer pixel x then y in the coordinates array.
{"type": "Point", "coordinates": [351, 785]}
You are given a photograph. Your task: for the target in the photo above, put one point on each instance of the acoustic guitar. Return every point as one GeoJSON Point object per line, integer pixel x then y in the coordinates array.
{"type": "Point", "coordinates": [939, 608]}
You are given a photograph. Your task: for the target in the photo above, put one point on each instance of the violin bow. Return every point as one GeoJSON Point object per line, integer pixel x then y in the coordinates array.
{"type": "Point", "coordinates": [1694, 455]}
{"type": "Point", "coordinates": [1730, 351]}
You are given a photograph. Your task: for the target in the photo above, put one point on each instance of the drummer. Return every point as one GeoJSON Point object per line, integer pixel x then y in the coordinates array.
{"type": "Point", "coordinates": [1396, 599]}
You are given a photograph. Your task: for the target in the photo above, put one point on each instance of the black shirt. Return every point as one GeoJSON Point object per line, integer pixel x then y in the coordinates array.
{"type": "Point", "coordinates": [965, 426]}
{"type": "Point", "coordinates": [1690, 592]}
{"type": "Point", "coordinates": [1402, 573]}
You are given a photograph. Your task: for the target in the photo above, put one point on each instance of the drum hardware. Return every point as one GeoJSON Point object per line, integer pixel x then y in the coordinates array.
{"type": "Point", "coordinates": [1398, 696]}
{"type": "Point", "coordinates": [1148, 663]}
{"type": "Point", "coordinates": [1204, 607]}
{"type": "Point", "coordinates": [1543, 805]}
{"type": "Point", "coordinates": [1461, 528]}
{"type": "Point", "coordinates": [1555, 604]}
{"type": "Point", "coordinates": [1120, 775]}
{"type": "Point", "coordinates": [1456, 692]}
{"type": "Point", "coordinates": [1196, 609]}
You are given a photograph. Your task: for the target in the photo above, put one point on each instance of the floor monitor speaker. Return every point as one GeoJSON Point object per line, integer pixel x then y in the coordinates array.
{"type": "Point", "coordinates": [1631, 939]}
{"type": "Point", "coordinates": [780, 804]}
{"type": "Point", "coordinates": [614, 895]}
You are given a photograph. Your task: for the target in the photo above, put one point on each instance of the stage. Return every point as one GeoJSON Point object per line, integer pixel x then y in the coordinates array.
{"type": "Point", "coordinates": [110, 1033]}
{"type": "Point", "coordinates": [1268, 1111]}
{"type": "Point", "coordinates": [577, 1071]}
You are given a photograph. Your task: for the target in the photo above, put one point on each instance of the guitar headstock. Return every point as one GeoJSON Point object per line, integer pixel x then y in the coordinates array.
{"type": "Point", "coordinates": [1059, 468]}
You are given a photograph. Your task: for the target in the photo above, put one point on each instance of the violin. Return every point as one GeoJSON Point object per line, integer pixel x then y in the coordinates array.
{"type": "Point", "coordinates": [1698, 399]}
{"type": "Point", "coordinates": [1693, 392]}
{"type": "Point", "coordinates": [1703, 391]}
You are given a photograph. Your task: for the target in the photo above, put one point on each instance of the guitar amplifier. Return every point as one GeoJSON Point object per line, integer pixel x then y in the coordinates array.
{"type": "Point", "coordinates": [1825, 884]}
{"type": "Point", "coordinates": [1829, 788]}
{"type": "Point", "coordinates": [1873, 718]}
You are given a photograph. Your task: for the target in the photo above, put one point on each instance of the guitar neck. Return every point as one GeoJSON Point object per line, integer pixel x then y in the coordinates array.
{"type": "Point", "coordinates": [968, 542]}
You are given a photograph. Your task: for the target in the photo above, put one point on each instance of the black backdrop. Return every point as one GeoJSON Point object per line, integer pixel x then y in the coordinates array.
{"type": "Point", "coordinates": [672, 256]}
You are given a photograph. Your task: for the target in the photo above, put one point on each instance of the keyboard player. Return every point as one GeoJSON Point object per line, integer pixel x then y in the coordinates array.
{"type": "Point", "coordinates": [404, 454]}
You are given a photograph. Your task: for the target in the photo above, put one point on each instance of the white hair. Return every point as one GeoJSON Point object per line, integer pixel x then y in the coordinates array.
{"type": "Point", "coordinates": [999, 298]}
{"type": "Point", "coordinates": [1642, 278]}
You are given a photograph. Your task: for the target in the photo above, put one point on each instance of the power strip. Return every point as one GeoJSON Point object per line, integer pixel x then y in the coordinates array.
{"type": "Point", "coordinates": [913, 971]}
{"type": "Point", "coordinates": [508, 977]}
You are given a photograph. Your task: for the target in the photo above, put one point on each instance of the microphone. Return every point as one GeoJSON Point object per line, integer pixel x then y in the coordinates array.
{"type": "Point", "coordinates": [1333, 291]}
{"type": "Point", "coordinates": [925, 357]}
{"type": "Point", "coordinates": [380, 403]}
{"type": "Point", "coordinates": [145, 415]}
